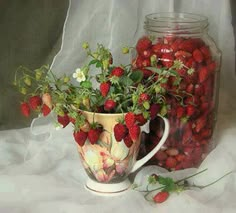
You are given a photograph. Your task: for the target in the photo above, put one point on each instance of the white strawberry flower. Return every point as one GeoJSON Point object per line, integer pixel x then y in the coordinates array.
{"type": "Point", "coordinates": [79, 75]}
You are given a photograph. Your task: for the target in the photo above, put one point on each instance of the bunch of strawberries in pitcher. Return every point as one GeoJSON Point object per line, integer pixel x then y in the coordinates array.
{"type": "Point", "coordinates": [192, 119]}
{"type": "Point", "coordinates": [99, 86]}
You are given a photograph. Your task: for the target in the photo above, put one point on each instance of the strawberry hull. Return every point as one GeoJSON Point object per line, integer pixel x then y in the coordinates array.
{"type": "Point", "coordinates": [193, 119]}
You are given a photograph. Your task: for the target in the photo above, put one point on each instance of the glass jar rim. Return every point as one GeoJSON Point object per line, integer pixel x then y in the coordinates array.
{"type": "Point", "coordinates": [174, 22]}
{"type": "Point", "coordinates": [175, 17]}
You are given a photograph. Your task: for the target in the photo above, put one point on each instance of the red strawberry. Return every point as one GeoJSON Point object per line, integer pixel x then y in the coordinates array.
{"type": "Point", "coordinates": [175, 44]}
{"type": "Point", "coordinates": [165, 48]}
{"type": "Point", "coordinates": [190, 88]}
{"type": "Point", "coordinates": [128, 141]}
{"type": "Point", "coordinates": [198, 56]}
{"type": "Point", "coordinates": [161, 197]}
{"type": "Point", "coordinates": [183, 54]}
{"type": "Point", "coordinates": [130, 119]}
{"type": "Point", "coordinates": [171, 162]}
{"type": "Point", "coordinates": [146, 53]}
{"type": "Point", "coordinates": [146, 62]}
{"type": "Point", "coordinates": [120, 131]}
{"type": "Point", "coordinates": [45, 110]}
{"type": "Point", "coordinates": [143, 44]}
{"type": "Point", "coordinates": [198, 90]}
{"type": "Point", "coordinates": [187, 45]}
{"type": "Point", "coordinates": [205, 51]}
{"type": "Point", "coordinates": [180, 111]}
{"type": "Point", "coordinates": [206, 133]}
{"type": "Point", "coordinates": [190, 110]}
{"type": "Point", "coordinates": [134, 132]}
{"type": "Point", "coordinates": [161, 155]}
{"type": "Point", "coordinates": [203, 74]}
{"type": "Point", "coordinates": [104, 88]}
{"type": "Point", "coordinates": [157, 48]}
{"type": "Point", "coordinates": [143, 97]}
{"type": "Point", "coordinates": [200, 123]}
{"type": "Point", "coordinates": [190, 63]}
{"type": "Point", "coordinates": [109, 105]}
{"type": "Point", "coordinates": [140, 119]}
{"type": "Point", "coordinates": [117, 71]}
{"type": "Point", "coordinates": [167, 59]}
{"type": "Point", "coordinates": [63, 120]}
{"type": "Point", "coordinates": [191, 77]}
{"type": "Point", "coordinates": [35, 102]}
{"type": "Point", "coordinates": [182, 71]}
{"type": "Point", "coordinates": [25, 109]}
{"type": "Point", "coordinates": [80, 137]}
{"type": "Point", "coordinates": [154, 109]}
{"type": "Point", "coordinates": [93, 135]}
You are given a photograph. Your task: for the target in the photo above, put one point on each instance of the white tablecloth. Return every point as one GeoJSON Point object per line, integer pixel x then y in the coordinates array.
{"type": "Point", "coordinates": [51, 179]}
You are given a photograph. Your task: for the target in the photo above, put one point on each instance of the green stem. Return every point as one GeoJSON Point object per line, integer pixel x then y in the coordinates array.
{"type": "Point", "coordinates": [188, 177]}
{"type": "Point", "coordinates": [202, 187]}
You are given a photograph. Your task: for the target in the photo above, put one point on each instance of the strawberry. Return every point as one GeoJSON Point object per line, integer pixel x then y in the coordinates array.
{"type": "Point", "coordinates": [154, 109]}
{"type": "Point", "coordinates": [143, 44]}
{"type": "Point", "coordinates": [120, 131]}
{"type": "Point", "coordinates": [190, 88]}
{"type": "Point", "coordinates": [35, 102]}
{"type": "Point", "coordinates": [180, 111]}
{"type": "Point", "coordinates": [161, 155]}
{"type": "Point", "coordinates": [47, 100]}
{"type": "Point", "coordinates": [161, 197]}
{"type": "Point", "coordinates": [203, 74]}
{"type": "Point", "coordinates": [197, 55]}
{"type": "Point", "coordinates": [45, 110]}
{"type": "Point", "coordinates": [191, 77]}
{"type": "Point", "coordinates": [176, 43]}
{"type": "Point", "coordinates": [172, 151]}
{"type": "Point", "coordinates": [128, 141]}
{"type": "Point", "coordinates": [143, 97]}
{"type": "Point", "coordinates": [156, 48]}
{"type": "Point", "coordinates": [94, 134]}
{"type": "Point", "coordinates": [182, 71]}
{"type": "Point", "coordinates": [200, 123]}
{"type": "Point", "coordinates": [146, 62]}
{"type": "Point", "coordinates": [171, 162]}
{"type": "Point", "coordinates": [165, 48]}
{"type": "Point", "coordinates": [206, 52]}
{"type": "Point", "coordinates": [146, 53]}
{"type": "Point", "coordinates": [130, 119]}
{"type": "Point", "coordinates": [25, 109]}
{"type": "Point", "coordinates": [134, 132]}
{"type": "Point", "coordinates": [109, 105]}
{"type": "Point", "coordinates": [198, 90]}
{"type": "Point", "coordinates": [187, 45]}
{"type": "Point", "coordinates": [104, 88]}
{"type": "Point", "coordinates": [190, 110]}
{"type": "Point", "coordinates": [63, 120]}
{"type": "Point", "coordinates": [190, 63]}
{"type": "Point", "coordinates": [117, 71]}
{"type": "Point", "coordinates": [140, 119]}
{"type": "Point", "coordinates": [167, 59]}
{"type": "Point", "coordinates": [183, 54]}
{"type": "Point", "coordinates": [80, 137]}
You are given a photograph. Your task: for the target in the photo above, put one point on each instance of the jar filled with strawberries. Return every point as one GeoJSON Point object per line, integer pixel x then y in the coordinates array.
{"type": "Point", "coordinates": [180, 42]}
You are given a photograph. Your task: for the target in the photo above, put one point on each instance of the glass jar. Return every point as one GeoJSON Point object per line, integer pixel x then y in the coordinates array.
{"type": "Point", "coordinates": [180, 41]}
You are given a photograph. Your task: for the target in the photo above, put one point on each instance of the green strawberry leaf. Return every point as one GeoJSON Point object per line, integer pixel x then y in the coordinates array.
{"type": "Point", "coordinates": [93, 62]}
{"type": "Point", "coordinates": [154, 69]}
{"type": "Point", "coordinates": [86, 84]}
{"type": "Point", "coordinates": [136, 76]}
{"type": "Point", "coordinates": [126, 80]}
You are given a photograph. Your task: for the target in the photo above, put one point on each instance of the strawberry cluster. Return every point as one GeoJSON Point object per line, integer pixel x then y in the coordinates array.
{"type": "Point", "coordinates": [192, 119]}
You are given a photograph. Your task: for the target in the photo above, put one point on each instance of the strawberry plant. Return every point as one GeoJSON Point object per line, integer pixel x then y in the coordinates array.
{"type": "Point", "coordinates": [138, 93]}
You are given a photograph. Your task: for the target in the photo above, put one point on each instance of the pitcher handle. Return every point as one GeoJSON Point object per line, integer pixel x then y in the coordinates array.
{"type": "Point", "coordinates": [165, 135]}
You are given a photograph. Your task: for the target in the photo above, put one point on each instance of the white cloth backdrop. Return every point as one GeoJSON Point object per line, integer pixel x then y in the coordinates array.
{"type": "Point", "coordinates": [50, 178]}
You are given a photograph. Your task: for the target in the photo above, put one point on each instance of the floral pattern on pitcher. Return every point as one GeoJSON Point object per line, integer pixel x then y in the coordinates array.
{"type": "Point", "coordinates": [108, 160]}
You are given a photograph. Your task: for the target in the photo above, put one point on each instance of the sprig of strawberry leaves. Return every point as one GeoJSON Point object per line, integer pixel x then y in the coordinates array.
{"type": "Point", "coordinates": [165, 186]}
